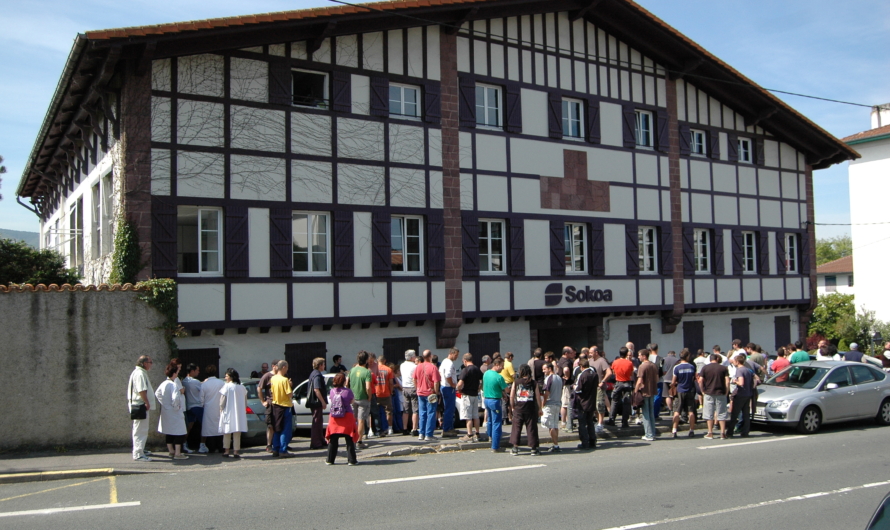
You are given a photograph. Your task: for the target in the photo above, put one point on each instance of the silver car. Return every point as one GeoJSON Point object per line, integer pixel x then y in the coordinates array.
{"type": "Point", "coordinates": [302, 414]}
{"type": "Point", "coordinates": [809, 394]}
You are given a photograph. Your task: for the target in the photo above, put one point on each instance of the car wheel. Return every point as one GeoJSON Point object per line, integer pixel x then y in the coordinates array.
{"type": "Point", "coordinates": [883, 416]}
{"type": "Point", "coordinates": [810, 421]}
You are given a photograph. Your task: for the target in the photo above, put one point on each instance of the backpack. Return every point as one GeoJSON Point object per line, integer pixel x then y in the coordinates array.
{"type": "Point", "coordinates": [338, 409]}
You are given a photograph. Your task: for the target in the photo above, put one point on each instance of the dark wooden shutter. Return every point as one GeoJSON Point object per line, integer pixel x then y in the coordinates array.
{"type": "Point", "coordinates": [629, 126]}
{"type": "Point", "coordinates": [482, 344]}
{"type": "Point", "coordinates": [594, 134]}
{"type": "Point", "coordinates": [379, 96]}
{"type": "Point", "coordinates": [597, 251]}
{"type": "Point", "coordinates": [640, 335]}
{"type": "Point", "coordinates": [804, 244]}
{"type": "Point", "coordinates": [344, 244]}
{"type": "Point", "coordinates": [685, 139]}
{"type": "Point", "coordinates": [280, 83]}
{"type": "Point", "coordinates": [762, 252]}
{"type": "Point", "coordinates": [394, 348]}
{"type": "Point", "coordinates": [554, 114]}
{"type": "Point", "coordinates": [632, 249]}
{"type": "Point", "coordinates": [467, 106]}
{"type": "Point", "coordinates": [435, 244]}
{"type": "Point", "coordinates": [741, 329]}
{"type": "Point", "coordinates": [517, 247]}
{"type": "Point", "coordinates": [661, 125]}
{"type": "Point", "coordinates": [557, 248]}
{"type": "Point", "coordinates": [718, 251]}
{"type": "Point", "coordinates": [713, 145]}
{"type": "Point", "coordinates": [236, 237]}
{"type": "Point", "coordinates": [341, 100]}
{"type": "Point", "coordinates": [513, 109]}
{"type": "Point", "coordinates": [732, 148]}
{"type": "Point", "coordinates": [666, 242]}
{"type": "Point", "coordinates": [281, 242]}
{"type": "Point", "coordinates": [299, 361]}
{"type": "Point", "coordinates": [758, 151]}
{"type": "Point", "coordinates": [200, 357]}
{"type": "Point", "coordinates": [688, 250]}
{"type": "Point", "coordinates": [738, 255]}
{"type": "Point", "coordinates": [694, 335]}
{"type": "Point", "coordinates": [782, 328]}
{"type": "Point", "coordinates": [781, 268]}
{"type": "Point", "coordinates": [163, 238]}
{"type": "Point", "coordinates": [381, 241]}
{"type": "Point", "coordinates": [432, 102]}
{"type": "Point", "coordinates": [470, 224]}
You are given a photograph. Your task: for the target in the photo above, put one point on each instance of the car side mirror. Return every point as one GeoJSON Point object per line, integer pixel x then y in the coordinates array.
{"type": "Point", "coordinates": [831, 386]}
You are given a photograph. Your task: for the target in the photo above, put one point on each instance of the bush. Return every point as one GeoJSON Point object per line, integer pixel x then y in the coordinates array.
{"type": "Point", "coordinates": [126, 259]}
{"type": "Point", "coordinates": [21, 264]}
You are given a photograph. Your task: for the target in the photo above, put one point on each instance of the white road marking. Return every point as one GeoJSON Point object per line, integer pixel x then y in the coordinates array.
{"type": "Point", "coordinates": [750, 506]}
{"type": "Point", "coordinates": [445, 475]}
{"type": "Point", "coordinates": [779, 439]}
{"type": "Point", "coordinates": [49, 511]}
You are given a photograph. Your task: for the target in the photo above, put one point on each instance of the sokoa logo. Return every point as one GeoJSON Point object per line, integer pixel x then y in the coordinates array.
{"type": "Point", "coordinates": [553, 294]}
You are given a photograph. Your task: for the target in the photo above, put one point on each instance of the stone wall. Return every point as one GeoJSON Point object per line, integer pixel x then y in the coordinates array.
{"type": "Point", "coordinates": [66, 356]}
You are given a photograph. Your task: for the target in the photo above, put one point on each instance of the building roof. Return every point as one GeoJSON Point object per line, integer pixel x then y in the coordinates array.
{"type": "Point", "coordinates": [871, 135]}
{"type": "Point", "coordinates": [841, 265]}
{"type": "Point", "coordinates": [98, 55]}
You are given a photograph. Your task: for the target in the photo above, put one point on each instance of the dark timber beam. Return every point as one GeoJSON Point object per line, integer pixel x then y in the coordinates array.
{"type": "Point", "coordinates": [315, 43]}
{"type": "Point", "coordinates": [689, 66]}
{"type": "Point", "coordinates": [451, 28]}
{"type": "Point", "coordinates": [764, 114]}
{"type": "Point", "coordinates": [591, 5]}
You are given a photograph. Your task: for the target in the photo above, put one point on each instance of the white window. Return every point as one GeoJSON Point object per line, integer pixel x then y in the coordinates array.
{"type": "Point", "coordinates": [749, 252]}
{"type": "Point", "coordinates": [571, 118]}
{"type": "Point", "coordinates": [107, 212]}
{"type": "Point", "coordinates": [310, 88]}
{"type": "Point", "coordinates": [575, 240]}
{"type": "Point", "coordinates": [702, 244]}
{"type": "Point", "coordinates": [745, 150]}
{"type": "Point", "coordinates": [644, 128]}
{"type": "Point", "coordinates": [404, 101]}
{"type": "Point", "coordinates": [311, 241]}
{"type": "Point", "coordinates": [199, 240]}
{"type": "Point", "coordinates": [491, 246]}
{"type": "Point", "coordinates": [96, 222]}
{"type": "Point", "coordinates": [791, 253]}
{"type": "Point", "coordinates": [407, 244]}
{"type": "Point", "coordinates": [488, 105]}
{"type": "Point", "coordinates": [75, 227]}
{"type": "Point", "coordinates": [648, 249]}
{"type": "Point", "coordinates": [697, 142]}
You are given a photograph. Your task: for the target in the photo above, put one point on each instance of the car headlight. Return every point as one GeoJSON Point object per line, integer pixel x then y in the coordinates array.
{"type": "Point", "coordinates": [783, 404]}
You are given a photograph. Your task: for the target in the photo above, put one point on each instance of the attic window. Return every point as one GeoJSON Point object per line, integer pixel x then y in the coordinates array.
{"type": "Point", "coordinates": [310, 89]}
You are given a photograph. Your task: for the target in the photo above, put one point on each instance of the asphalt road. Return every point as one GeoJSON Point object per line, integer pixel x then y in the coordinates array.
{"type": "Point", "coordinates": [675, 484]}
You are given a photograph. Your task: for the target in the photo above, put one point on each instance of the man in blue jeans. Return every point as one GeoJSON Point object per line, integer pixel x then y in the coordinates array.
{"type": "Point", "coordinates": [426, 378]}
{"type": "Point", "coordinates": [493, 384]}
{"type": "Point", "coordinates": [449, 381]}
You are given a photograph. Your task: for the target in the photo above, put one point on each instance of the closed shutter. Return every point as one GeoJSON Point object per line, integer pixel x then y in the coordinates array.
{"type": "Point", "coordinates": [718, 251]}
{"type": "Point", "coordinates": [738, 255]}
{"type": "Point", "coordinates": [661, 125]}
{"type": "Point", "coordinates": [781, 267]}
{"type": "Point", "coordinates": [236, 234]}
{"type": "Point", "coordinates": [597, 251]}
{"type": "Point", "coordinates": [379, 97]}
{"type": "Point", "coordinates": [395, 347]}
{"type": "Point", "coordinates": [640, 335]}
{"type": "Point", "coordinates": [732, 148]}
{"type": "Point", "coordinates": [344, 261]}
{"type": "Point", "coordinates": [381, 241]}
{"type": "Point", "coordinates": [470, 224]}
{"type": "Point", "coordinates": [694, 335]}
{"type": "Point", "coordinates": [435, 243]}
{"type": "Point", "coordinates": [513, 108]}
{"type": "Point", "coordinates": [163, 238]}
{"type": "Point", "coordinates": [632, 249]}
{"type": "Point", "coordinates": [467, 106]}
{"type": "Point", "coordinates": [200, 357]}
{"type": "Point", "coordinates": [666, 242]}
{"type": "Point", "coordinates": [688, 250]}
{"type": "Point", "coordinates": [762, 253]}
{"type": "Point", "coordinates": [758, 151]}
{"type": "Point", "coordinates": [713, 145]}
{"type": "Point", "coordinates": [557, 248]}
{"type": "Point", "coordinates": [554, 114]}
{"type": "Point", "coordinates": [517, 247]}
{"type": "Point", "coordinates": [281, 242]}
{"type": "Point", "coordinates": [782, 328]}
{"type": "Point", "coordinates": [299, 362]}
{"type": "Point", "coordinates": [432, 102]}
{"type": "Point", "coordinates": [280, 83]}
{"type": "Point", "coordinates": [629, 126]}
{"type": "Point", "coordinates": [341, 100]}
{"type": "Point", "coordinates": [741, 329]}
{"type": "Point", "coordinates": [594, 134]}
{"type": "Point", "coordinates": [685, 139]}
{"type": "Point", "coordinates": [805, 253]}
{"type": "Point", "coordinates": [482, 344]}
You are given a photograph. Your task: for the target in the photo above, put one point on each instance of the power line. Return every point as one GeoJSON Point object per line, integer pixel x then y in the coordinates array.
{"type": "Point", "coordinates": [596, 58]}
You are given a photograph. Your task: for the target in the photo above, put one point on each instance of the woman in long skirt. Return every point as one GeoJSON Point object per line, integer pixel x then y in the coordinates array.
{"type": "Point", "coordinates": [232, 413]}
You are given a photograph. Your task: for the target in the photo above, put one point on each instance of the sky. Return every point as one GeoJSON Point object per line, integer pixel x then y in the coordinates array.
{"type": "Point", "coordinates": [813, 47]}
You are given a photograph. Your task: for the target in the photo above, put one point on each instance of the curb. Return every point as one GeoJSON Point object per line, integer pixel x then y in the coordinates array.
{"type": "Point", "coordinates": [40, 476]}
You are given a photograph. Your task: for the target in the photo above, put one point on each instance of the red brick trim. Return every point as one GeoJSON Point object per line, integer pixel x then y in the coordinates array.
{"type": "Point", "coordinates": [574, 191]}
{"type": "Point", "coordinates": [670, 321]}
{"type": "Point", "coordinates": [806, 313]}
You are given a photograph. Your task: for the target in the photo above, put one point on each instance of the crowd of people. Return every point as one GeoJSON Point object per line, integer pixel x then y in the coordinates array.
{"type": "Point", "coordinates": [423, 395]}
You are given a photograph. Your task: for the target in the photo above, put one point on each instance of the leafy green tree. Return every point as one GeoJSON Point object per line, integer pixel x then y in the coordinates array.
{"type": "Point", "coordinates": [833, 248]}
{"type": "Point", "coordinates": [20, 263]}
{"type": "Point", "coordinates": [832, 309]}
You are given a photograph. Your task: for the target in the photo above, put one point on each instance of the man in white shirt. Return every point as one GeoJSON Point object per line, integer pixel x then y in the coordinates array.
{"type": "Point", "coordinates": [449, 381]}
{"type": "Point", "coordinates": [141, 399]}
{"type": "Point", "coordinates": [409, 389]}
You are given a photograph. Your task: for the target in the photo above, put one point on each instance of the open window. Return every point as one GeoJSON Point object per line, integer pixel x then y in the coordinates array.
{"type": "Point", "coordinates": [310, 88]}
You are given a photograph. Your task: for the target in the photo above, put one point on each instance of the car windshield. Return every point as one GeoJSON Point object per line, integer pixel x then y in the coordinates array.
{"type": "Point", "coordinates": [798, 377]}
{"type": "Point", "coordinates": [251, 390]}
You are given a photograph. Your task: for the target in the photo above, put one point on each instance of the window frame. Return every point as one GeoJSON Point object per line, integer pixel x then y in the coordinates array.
{"type": "Point", "coordinates": [702, 247]}
{"type": "Point", "coordinates": [568, 120]}
{"type": "Point", "coordinates": [749, 249]}
{"type": "Point", "coordinates": [97, 229]}
{"type": "Point", "coordinates": [698, 148]}
{"type": "Point", "coordinates": [499, 108]}
{"type": "Point", "coordinates": [642, 249]}
{"type": "Point", "coordinates": [832, 288]}
{"type": "Point", "coordinates": [640, 130]}
{"type": "Point", "coordinates": [850, 280]}
{"type": "Point", "coordinates": [571, 243]}
{"type": "Point", "coordinates": [490, 254]}
{"type": "Point", "coordinates": [309, 252]}
{"type": "Point", "coordinates": [748, 157]}
{"type": "Point", "coordinates": [325, 102]}
{"type": "Point", "coordinates": [404, 236]}
{"type": "Point", "coordinates": [791, 256]}
{"type": "Point", "coordinates": [220, 242]}
{"type": "Point", "coordinates": [417, 102]}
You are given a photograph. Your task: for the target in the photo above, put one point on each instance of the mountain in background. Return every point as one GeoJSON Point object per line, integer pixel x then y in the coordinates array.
{"type": "Point", "coordinates": [31, 238]}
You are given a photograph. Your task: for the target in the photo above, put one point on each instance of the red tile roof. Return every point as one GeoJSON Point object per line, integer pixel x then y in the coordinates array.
{"type": "Point", "coordinates": [844, 264]}
{"type": "Point", "coordinates": [865, 135]}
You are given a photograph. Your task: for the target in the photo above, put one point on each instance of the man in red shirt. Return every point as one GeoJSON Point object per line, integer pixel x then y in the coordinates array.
{"type": "Point", "coordinates": [623, 369]}
{"type": "Point", "coordinates": [427, 378]}
{"type": "Point", "coordinates": [383, 390]}
{"type": "Point", "coordinates": [780, 364]}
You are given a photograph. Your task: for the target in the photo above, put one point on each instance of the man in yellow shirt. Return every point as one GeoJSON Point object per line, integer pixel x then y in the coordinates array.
{"type": "Point", "coordinates": [282, 411]}
{"type": "Point", "coordinates": [508, 373]}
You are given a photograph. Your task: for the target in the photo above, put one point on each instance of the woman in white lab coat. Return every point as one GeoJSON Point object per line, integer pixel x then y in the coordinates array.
{"type": "Point", "coordinates": [233, 413]}
{"type": "Point", "coordinates": [210, 391]}
{"type": "Point", "coordinates": [172, 422]}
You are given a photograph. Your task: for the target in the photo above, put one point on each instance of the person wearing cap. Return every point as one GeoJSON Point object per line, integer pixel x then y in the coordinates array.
{"type": "Point", "coordinates": [854, 355]}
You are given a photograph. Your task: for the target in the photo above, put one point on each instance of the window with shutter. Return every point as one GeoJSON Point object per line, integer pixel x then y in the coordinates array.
{"type": "Point", "coordinates": [782, 329]}
{"type": "Point", "coordinates": [738, 253]}
{"type": "Point", "coordinates": [758, 152]}
{"type": "Point", "coordinates": [575, 247]}
{"type": "Point", "coordinates": [344, 259]}
{"type": "Point", "coordinates": [762, 253]}
{"type": "Point", "coordinates": [381, 241]}
{"type": "Point", "coordinates": [594, 133]}
{"type": "Point", "coordinates": [163, 238]}
{"type": "Point", "coordinates": [741, 329]}
{"type": "Point", "coordinates": [781, 259]}
{"type": "Point", "coordinates": [554, 114]}
{"type": "Point", "coordinates": [513, 108]}
{"type": "Point", "coordinates": [432, 102]}
{"type": "Point", "coordinates": [661, 125]}
{"type": "Point", "coordinates": [311, 241]}
{"type": "Point", "coordinates": [281, 242]}
{"type": "Point", "coordinates": [713, 145]}
{"type": "Point", "coordinates": [237, 234]}
{"type": "Point", "coordinates": [694, 335]}
{"type": "Point", "coordinates": [640, 335]}
{"type": "Point", "coordinates": [379, 97]}
{"type": "Point", "coordinates": [685, 139]}
{"type": "Point", "coordinates": [557, 248]}
{"type": "Point", "coordinates": [435, 240]}
{"type": "Point", "coordinates": [280, 83]}
{"type": "Point", "coordinates": [719, 267]}
{"type": "Point", "coordinates": [199, 242]}
{"type": "Point", "coordinates": [667, 249]}
{"type": "Point", "coordinates": [470, 244]}
{"type": "Point", "coordinates": [688, 250]}
{"type": "Point", "coordinates": [516, 267]}
{"type": "Point", "coordinates": [732, 148]}
{"type": "Point", "coordinates": [648, 247]}
{"type": "Point", "coordinates": [629, 126]}
{"type": "Point", "coordinates": [467, 105]}
{"type": "Point", "coordinates": [342, 92]}
{"type": "Point", "coordinates": [597, 251]}
{"type": "Point", "coordinates": [404, 101]}
{"type": "Point", "coordinates": [805, 254]}
{"type": "Point", "coordinates": [632, 249]}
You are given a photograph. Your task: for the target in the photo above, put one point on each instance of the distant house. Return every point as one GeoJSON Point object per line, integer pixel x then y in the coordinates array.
{"type": "Point", "coordinates": [835, 276]}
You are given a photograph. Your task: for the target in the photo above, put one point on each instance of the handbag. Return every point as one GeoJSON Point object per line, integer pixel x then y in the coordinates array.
{"type": "Point", "coordinates": [138, 412]}
{"type": "Point", "coordinates": [312, 401]}
{"type": "Point", "coordinates": [637, 399]}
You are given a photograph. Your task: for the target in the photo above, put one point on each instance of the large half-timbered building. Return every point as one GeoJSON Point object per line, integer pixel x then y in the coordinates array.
{"type": "Point", "coordinates": [491, 174]}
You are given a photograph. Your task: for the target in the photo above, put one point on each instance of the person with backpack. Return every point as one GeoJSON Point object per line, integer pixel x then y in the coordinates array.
{"type": "Point", "coordinates": [526, 410]}
{"type": "Point", "coordinates": [341, 423]}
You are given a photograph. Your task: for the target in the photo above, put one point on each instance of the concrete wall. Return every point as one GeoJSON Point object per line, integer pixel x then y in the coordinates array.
{"type": "Point", "coordinates": [66, 358]}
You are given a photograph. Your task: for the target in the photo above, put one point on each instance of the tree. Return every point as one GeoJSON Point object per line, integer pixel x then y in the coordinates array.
{"type": "Point", "coordinates": [831, 310]}
{"type": "Point", "coordinates": [833, 248]}
{"type": "Point", "coordinates": [20, 263]}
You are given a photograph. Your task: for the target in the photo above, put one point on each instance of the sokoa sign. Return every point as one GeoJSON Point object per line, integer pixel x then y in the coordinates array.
{"type": "Point", "coordinates": [554, 294]}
